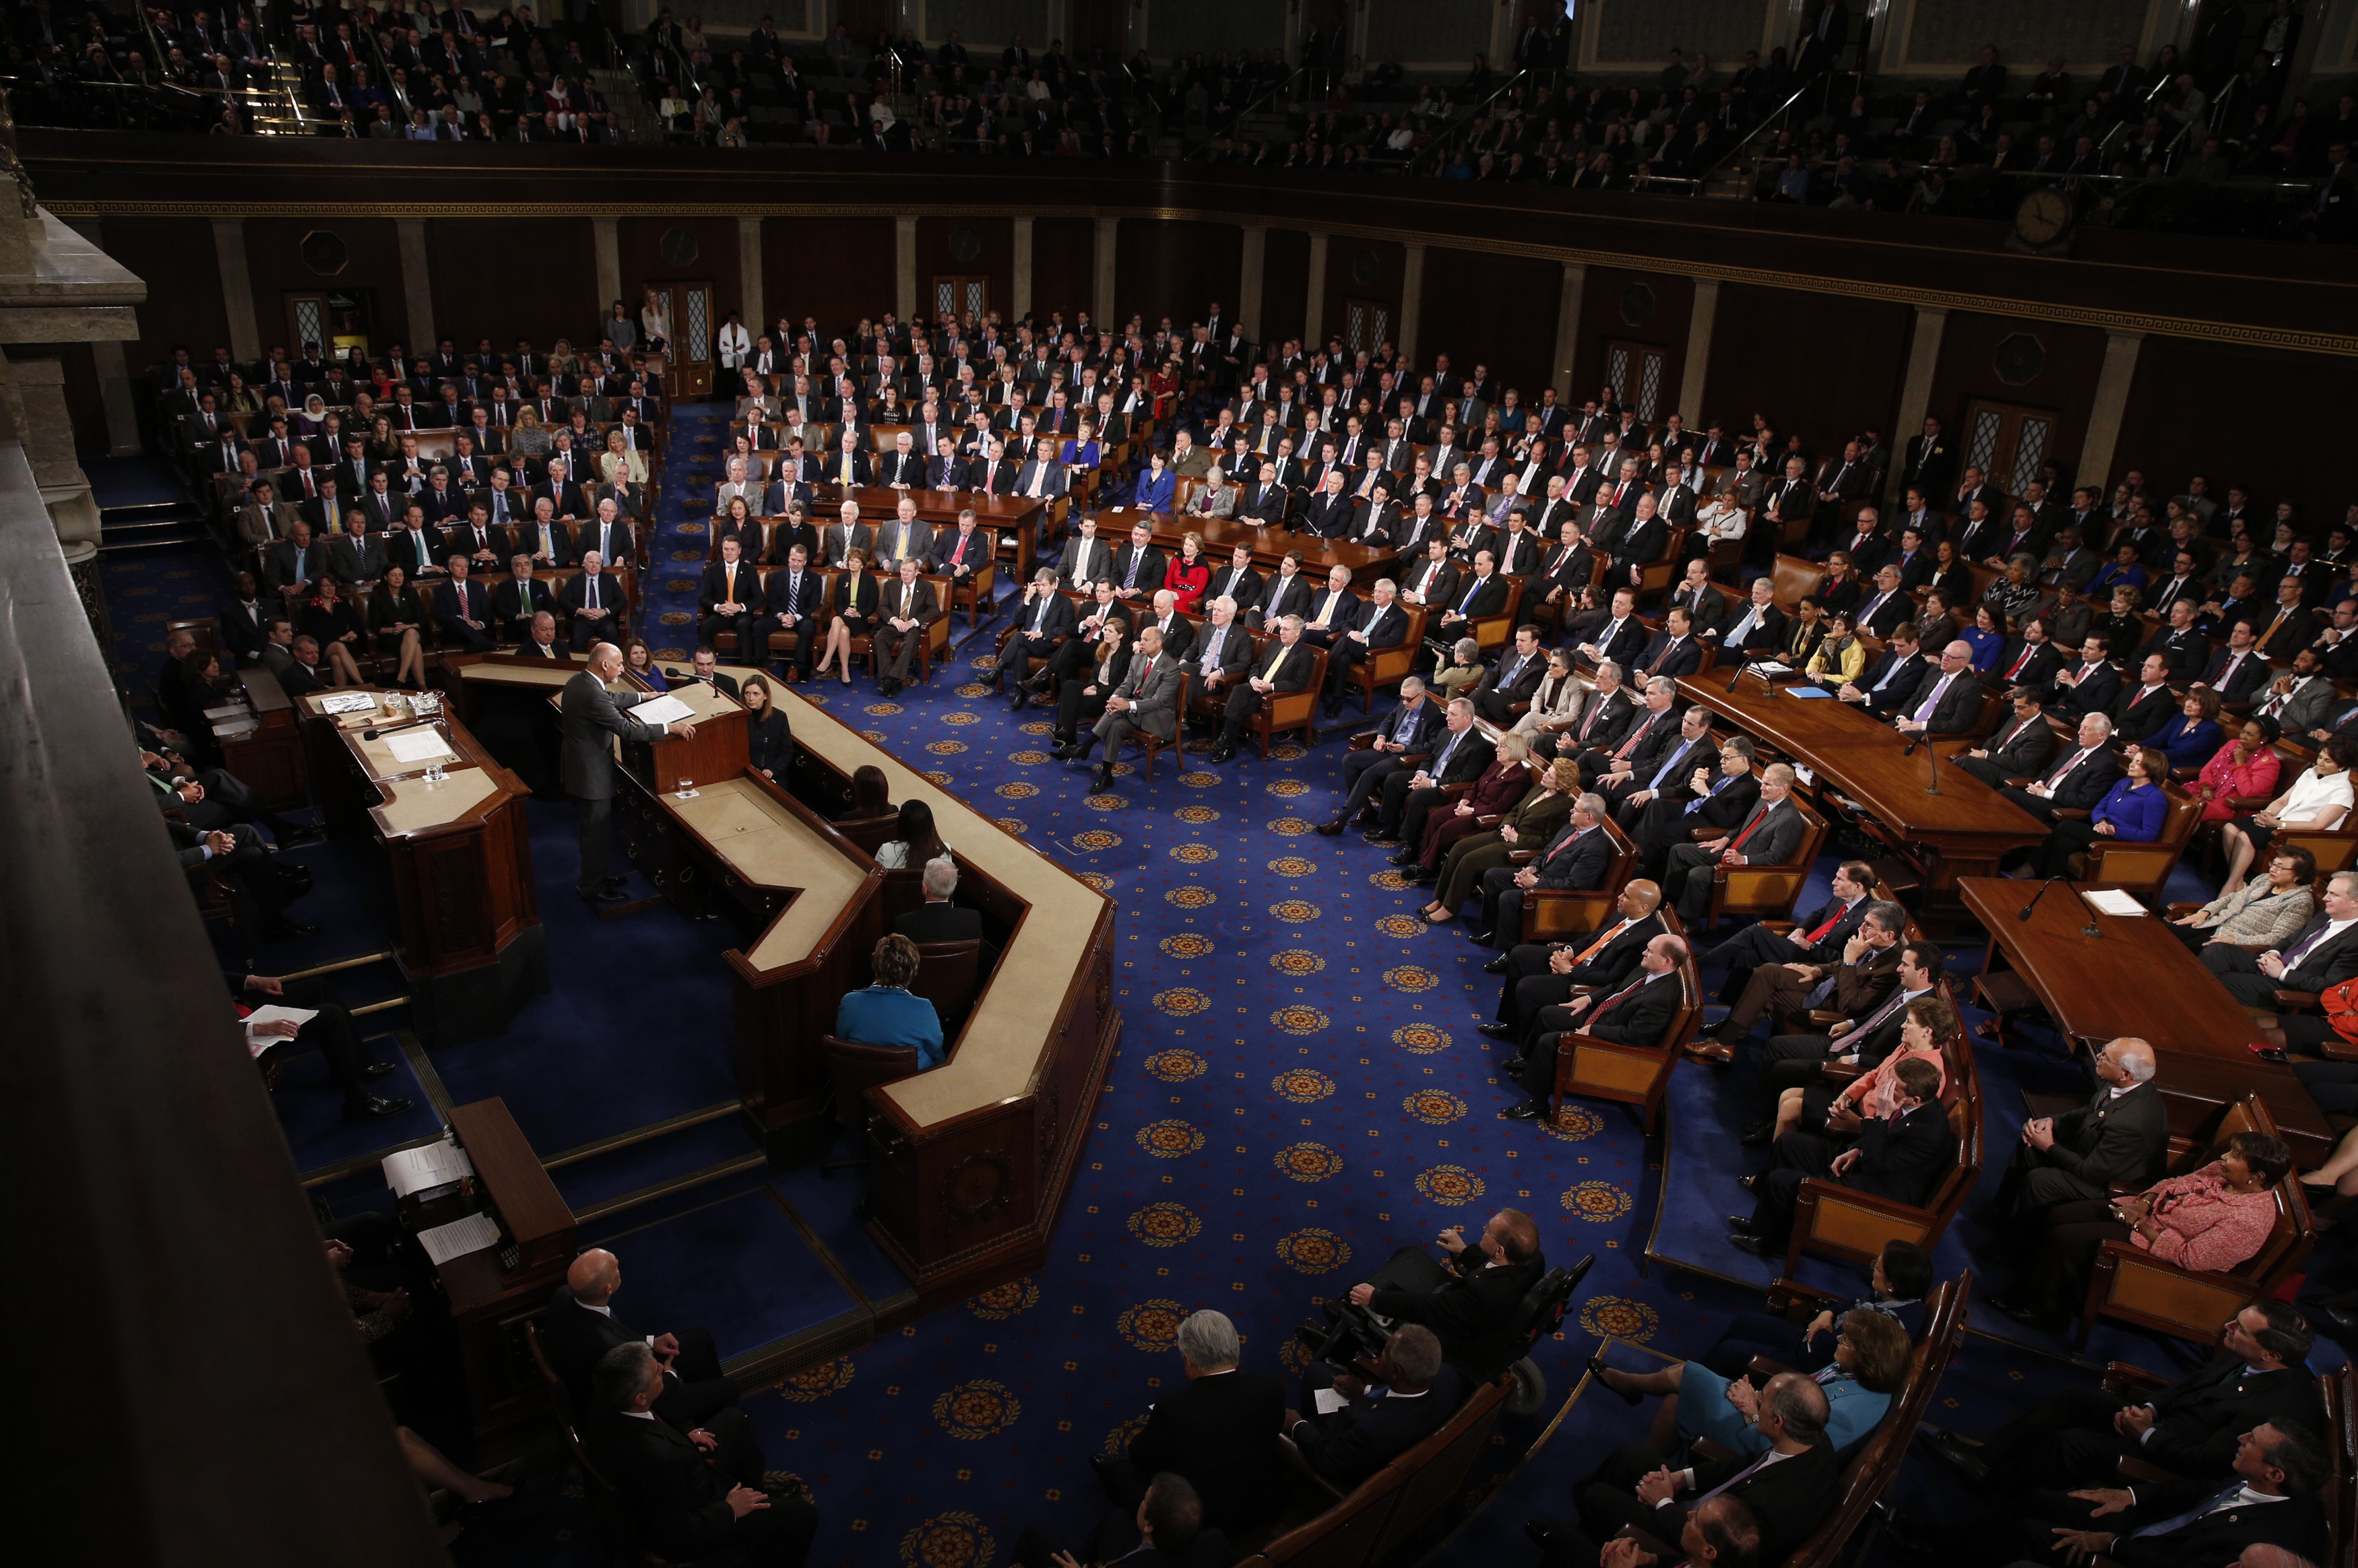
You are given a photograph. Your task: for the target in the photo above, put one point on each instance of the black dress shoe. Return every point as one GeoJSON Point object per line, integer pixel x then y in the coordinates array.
{"type": "Point", "coordinates": [1759, 1132]}
{"type": "Point", "coordinates": [1496, 966]}
{"type": "Point", "coordinates": [1749, 1183]}
{"type": "Point", "coordinates": [1405, 858]}
{"type": "Point", "coordinates": [1755, 1245]}
{"type": "Point", "coordinates": [1542, 1534]}
{"type": "Point", "coordinates": [1968, 1459]}
{"type": "Point", "coordinates": [606, 895]}
{"type": "Point", "coordinates": [1332, 830]}
{"type": "Point", "coordinates": [2022, 1313]}
{"type": "Point", "coordinates": [1021, 697]}
{"type": "Point", "coordinates": [1483, 938]}
{"type": "Point", "coordinates": [1527, 1111]}
{"type": "Point", "coordinates": [1496, 1031]}
{"type": "Point", "coordinates": [370, 1105]}
{"type": "Point", "coordinates": [376, 1069]}
{"type": "Point", "coordinates": [288, 931]}
{"type": "Point", "coordinates": [1101, 781]}
{"type": "Point", "coordinates": [1513, 1066]}
{"type": "Point", "coordinates": [1742, 1225]}
{"type": "Point", "coordinates": [1066, 753]}
{"type": "Point", "coordinates": [1423, 879]}
{"type": "Point", "coordinates": [1224, 754]}
{"type": "Point", "coordinates": [1379, 837]}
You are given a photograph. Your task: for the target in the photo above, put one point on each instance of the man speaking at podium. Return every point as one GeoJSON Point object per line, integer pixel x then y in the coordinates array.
{"type": "Point", "coordinates": [585, 760]}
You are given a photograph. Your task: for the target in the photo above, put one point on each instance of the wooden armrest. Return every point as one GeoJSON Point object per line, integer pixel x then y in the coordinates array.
{"type": "Point", "coordinates": [2071, 814]}
{"type": "Point", "coordinates": [1364, 743]}
{"type": "Point", "coordinates": [1521, 857]}
{"type": "Point", "coordinates": [2242, 804]}
{"type": "Point", "coordinates": [2181, 911]}
{"type": "Point", "coordinates": [1785, 1297]}
{"type": "Point", "coordinates": [2128, 1378]}
{"type": "Point", "coordinates": [2288, 1002]}
{"type": "Point", "coordinates": [1705, 835]}
{"type": "Point", "coordinates": [1824, 1018]}
{"type": "Point", "coordinates": [2335, 1051]}
{"type": "Point", "coordinates": [1491, 819]}
{"type": "Point", "coordinates": [1704, 1448]}
{"type": "Point", "coordinates": [1651, 1545]}
{"type": "Point", "coordinates": [1764, 1369]}
{"type": "Point", "coordinates": [1779, 926]}
{"type": "Point", "coordinates": [2122, 1190]}
{"type": "Point", "coordinates": [1835, 1072]}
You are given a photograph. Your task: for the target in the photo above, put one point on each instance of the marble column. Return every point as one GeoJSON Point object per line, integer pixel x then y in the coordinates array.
{"type": "Point", "coordinates": [1915, 390]}
{"type": "Point", "coordinates": [1020, 305]}
{"type": "Point", "coordinates": [1411, 311]}
{"type": "Point", "coordinates": [237, 291]}
{"type": "Point", "coordinates": [1314, 305]}
{"type": "Point", "coordinates": [607, 242]}
{"type": "Point", "coordinates": [417, 283]}
{"type": "Point", "coordinates": [749, 276]}
{"type": "Point", "coordinates": [1698, 360]}
{"type": "Point", "coordinates": [1256, 258]}
{"type": "Point", "coordinates": [1109, 244]}
{"type": "Point", "coordinates": [1567, 327]}
{"type": "Point", "coordinates": [2105, 409]}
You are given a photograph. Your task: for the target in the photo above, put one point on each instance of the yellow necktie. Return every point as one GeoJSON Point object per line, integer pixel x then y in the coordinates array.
{"type": "Point", "coordinates": [1271, 674]}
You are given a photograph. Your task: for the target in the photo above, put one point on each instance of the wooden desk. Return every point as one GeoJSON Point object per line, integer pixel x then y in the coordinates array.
{"type": "Point", "coordinates": [270, 760]}
{"type": "Point", "coordinates": [1269, 546]}
{"type": "Point", "coordinates": [2136, 979]}
{"type": "Point", "coordinates": [972, 1161]}
{"type": "Point", "coordinates": [1019, 520]}
{"type": "Point", "coordinates": [716, 751]}
{"type": "Point", "coordinates": [744, 848]}
{"type": "Point", "coordinates": [460, 856]}
{"type": "Point", "coordinates": [488, 1301]}
{"type": "Point", "coordinates": [1968, 825]}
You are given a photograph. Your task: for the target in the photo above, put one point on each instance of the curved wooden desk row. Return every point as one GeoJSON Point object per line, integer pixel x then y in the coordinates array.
{"type": "Point", "coordinates": [971, 1161]}
{"type": "Point", "coordinates": [1967, 824]}
{"type": "Point", "coordinates": [1269, 546]}
{"type": "Point", "coordinates": [460, 856]}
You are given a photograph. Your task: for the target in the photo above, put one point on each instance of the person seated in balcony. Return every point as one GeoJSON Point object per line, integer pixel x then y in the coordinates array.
{"type": "Point", "coordinates": [1869, 1364]}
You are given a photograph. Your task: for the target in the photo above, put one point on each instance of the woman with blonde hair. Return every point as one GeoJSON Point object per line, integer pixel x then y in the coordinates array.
{"type": "Point", "coordinates": [618, 456]}
{"type": "Point", "coordinates": [1528, 825]}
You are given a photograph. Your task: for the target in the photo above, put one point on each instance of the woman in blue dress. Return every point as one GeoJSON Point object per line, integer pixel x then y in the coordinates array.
{"type": "Point", "coordinates": [1870, 1361]}
{"type": "Point", "coordinates": [1157, 486]}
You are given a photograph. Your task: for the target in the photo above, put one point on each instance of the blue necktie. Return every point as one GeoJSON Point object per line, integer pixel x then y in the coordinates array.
{"type": "Point", "coordinates": [1469, 596]}
{"type": "Point", "coordinates": [1671, 766]}
{"type": "Point", "coordinates": [2224, 1495]}
{"type": "Point", "coordinates": [1695, 805]}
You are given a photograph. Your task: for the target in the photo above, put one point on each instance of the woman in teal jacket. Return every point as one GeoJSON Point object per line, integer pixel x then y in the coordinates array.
{"type": "Point", "coordinates": [1870, 1363]}
{"type": "Point", "coordinates": [885, 1013]}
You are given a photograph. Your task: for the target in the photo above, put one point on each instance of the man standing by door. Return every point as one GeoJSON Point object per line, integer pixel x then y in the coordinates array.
{"type": "Point", "coordinates": [586, 761]}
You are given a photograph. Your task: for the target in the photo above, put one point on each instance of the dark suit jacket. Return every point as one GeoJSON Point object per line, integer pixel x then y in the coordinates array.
{"type": "Point", "coordinates": [612, 598]}
{"type": "Point", "coordinates": [1488, 599]}
{"type": "Point", "coordinates": [2045, 660]}
{"type": "Point", "coordinates": [1767, 634]}
{"type": "Point", "coordinates": [1472, 1311]}
{"type": "Point", "coordinates": [748, 588]}
{"type": "Point", "coordinates": [1684, 660]}
{"type": "Point", "coordinates": [1220, 1433]}
{"type": "Point", "coordinates": [1961, 705]}
{"type": "Point", "coordinates": [511, 605]}
{"type": "Point", "coordinates": [1901, 1158]}
{"type": "Point", "coordinates": [1640, 1017]}
{"type": "Point", "coordinates": [1581, 866]}
{"type": "Point", "coordinates": [1605, 721]}
{"type": "Point", "coordinates": [778, 597]}
{"type": "Point", "coordinates": [1790, 1498]}
{"type": "Point", "coordinates": [2094, 691]}
{"type": "Point", "coordinates": [1900, 694]}
{"type": "Point", "coordinates": [1368, 1433]}
{"type": "Point", "coordinates": [2297, 1524]}
{"type": "Point", "coordinates": [2187, 651]}
{"type": "Point", "coordinates": [591, 715]}
{"type": "Point", "coordinates": [574, 1338]}
{"type": "Point", "coordinates": [2249, 678]}
{"type": "Point", "coordinates": [1775, 836]}
{"type": "Point", "coordinates": [1513, 682]}
{"type": "Point", "coordinates": [2110, 1140]}
{"type": "Point", "coordinates": [2087, 784]}
{"type": "Point", "coordinates": [2201, 1416]}
{"type": "Point", "coordinates": [2324, 965]}
{"type": "Point", "coordinates": [1617, 960]}
{"type": "Point", "coordinates": [1281, 598]}
{"type": "Point", "coordinates": [447, 608]}
{"type": "Point", "coordinates": [679, 1503]}
{"type": "Point", "coordinates": [1059, 622]}
{"type": "Point", "coordinates": [1150, 569]}
{"type": "Point", "coordinates": [2020, 749]}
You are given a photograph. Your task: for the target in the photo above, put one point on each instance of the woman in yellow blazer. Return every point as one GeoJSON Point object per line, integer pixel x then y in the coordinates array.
{"type": "Point", "coordinates": [1841, 656]}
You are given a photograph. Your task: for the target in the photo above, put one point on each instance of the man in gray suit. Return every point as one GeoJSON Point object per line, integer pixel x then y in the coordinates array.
{"type": "Point", "coordinates": [2122, 1134]}
{"type": "Point", "coordinates": [1767, 836]}
{"type": "Point", "coordinates": [592, 717]}
{"type": "Point", "coordinates": [1148, 700]}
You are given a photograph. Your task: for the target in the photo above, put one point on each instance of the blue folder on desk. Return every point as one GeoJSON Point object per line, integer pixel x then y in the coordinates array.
{"type": "Point", "coordinates": [1807, 691]}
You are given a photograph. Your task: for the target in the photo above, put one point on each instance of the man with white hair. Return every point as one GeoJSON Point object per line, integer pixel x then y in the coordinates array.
{"type": "Point", "coordinates": [1377, 623]}
{"type": "Point", "coordinates": [940, 920]}
{"type": "Point", "coordinates": [1218, 1431]}
{"type": "Point", "coordinates": [2122, 1134]}
{"type": "Point", "coordinates": [592, 719]}
{"type": "Point", "coordinates": [2320, 956]}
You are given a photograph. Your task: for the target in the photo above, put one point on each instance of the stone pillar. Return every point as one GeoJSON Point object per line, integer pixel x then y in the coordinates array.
{"type": "Point", "coordinates": [2105, 410]}
{"type": "Point", "coordinates": [1411, 302]}
{"type": "Point", "coordinates": [1567, 327]}
{"type": "Point", "coordinates": [1101, 297]}
{"type": "Point", "coordinates": [237, 291]}
{"type": "Point", "coordinates": [1915, 390]}
{"type": "Point", "coordinates": [122, 404]}
{"type": "Point", "coordinates": [1255, 260]}
{"type": "Point", "coordinates": [1314, 302]}
{"type": "Point", "coordinates": [1020, 305]}
{"type": "Point", "coordinates": [904, 267]}
{"type": "Point", "coordinates": [608, 243]}
{"type": "Point", "coordinates": [417, 284]}
{"type": "Point", "coordinates": [749, 276]}
{"type": "Point", "coordinates": [1698, 363]}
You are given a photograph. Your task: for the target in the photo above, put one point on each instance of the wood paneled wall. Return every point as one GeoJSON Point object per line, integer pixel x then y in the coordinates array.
{"type": "Point", "coordinates": [993, 240]}
{"type": "Point", "coordinates": [515, 277]}
{"type": "Point", "coordinates": [1284, 284]}
{"type": "Point", "coordinates": [2240, 415]}
{"type": "Point", "coordinates": [2069, 359]}
{"type": "Point", "coordinates": [1371, 270]}
{"type": "Point", "coordinates": [1174, 269]}
{"type": "Point", "coordinates": [1621, 306]}
{"type": "Point", "coordinates": [1064, 263]}
{"type": "Point", "coordinates": [1813, 363]}
{"type": "Point", "coordinates": [274, 258]}
{"type": "Point", "coordinates": [184, 305]}
{"type": "Point", "coordinates": [837, 271]}
{"type": "Point", "coordinates": [1495, 310]}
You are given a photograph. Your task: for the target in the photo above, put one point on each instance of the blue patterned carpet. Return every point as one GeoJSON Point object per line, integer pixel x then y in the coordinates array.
{"type": "Point", "coordinates": [1299, 1090]}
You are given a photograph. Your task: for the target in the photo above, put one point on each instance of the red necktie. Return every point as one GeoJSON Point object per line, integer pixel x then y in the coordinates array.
{"type": "Point", "coordinates": [1750, 829]}
{"type": "Point", "coordinates": [1814, 937]}
{"type": "Point", "coordinates": [2016, 668]}
{"type": "Point", "coordinates": [1619, 996]}
{"type": "Point", "coordinates": [1566, 843]}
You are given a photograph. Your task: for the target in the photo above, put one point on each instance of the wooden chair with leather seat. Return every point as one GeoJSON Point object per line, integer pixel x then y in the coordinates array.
{"type": "Point", "coordinates": [1830, 1220]}
{"type": "Point", "coordinates": [2131, 1285]}
{"type": "Point", "coordinates": [949, 976]}
{"type": "Point", "coordinates": [1631, 1075]}
{"type": "Point", "coordinates": [977, 591]}
{"type": "Point", "coordinates": [934, 642]}
{"type": "Point", "coordinates": [1553, 915]}
{"type": "Point", "coordinates": [1386, 667]}
{"type": "Point", "coordinates": [871, 833]}
{"type": "Point", "coordinates": [1767, 890]}
{"type": "Point", "coordinates": [1492, 632]}
{"type": "Point", "coordinates": [852, 1069]}
{"type": "Point", "coordinates": [1283, 710]}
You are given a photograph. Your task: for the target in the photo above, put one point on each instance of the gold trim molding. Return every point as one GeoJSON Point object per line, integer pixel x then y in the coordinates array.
{"type": "Point", "coordinates": [2344, 344]}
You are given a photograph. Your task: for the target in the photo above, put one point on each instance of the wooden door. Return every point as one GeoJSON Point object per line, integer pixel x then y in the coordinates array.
{"type": "Point", "coordinates": [2009, 442]}
{"type": "Point", "coordinates": [1366, 324]}
{"type": "Point", "coordinates": [965, 297]}
{"type": "Point", "coordinates": [687, 363]}
{"type": "Point", "coordinates": [334, 320]}
{"type": "Point", "coordinates": [1637, 372]}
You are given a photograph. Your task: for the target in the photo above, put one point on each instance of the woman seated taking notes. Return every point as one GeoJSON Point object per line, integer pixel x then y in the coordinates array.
{"type": "Point", "coordinates": [886, 1013]}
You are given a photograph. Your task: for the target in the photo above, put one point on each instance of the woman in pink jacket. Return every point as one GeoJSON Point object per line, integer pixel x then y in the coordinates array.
{"type": "Point", "coordinates": [2245, 768]}
{"type": "Point", "coordinates": [2208, 1221]}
